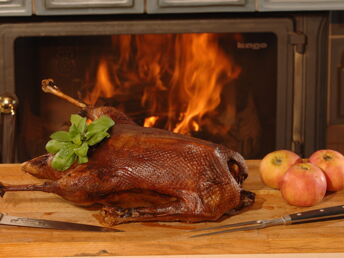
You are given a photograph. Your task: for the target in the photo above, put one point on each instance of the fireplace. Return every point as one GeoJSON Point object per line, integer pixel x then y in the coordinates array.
{"type": "Point", "coordinates": [249, 82]}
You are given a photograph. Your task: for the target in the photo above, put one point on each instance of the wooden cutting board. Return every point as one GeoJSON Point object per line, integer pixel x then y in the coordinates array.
{"type": "Point", "coordinates": [160, 238]}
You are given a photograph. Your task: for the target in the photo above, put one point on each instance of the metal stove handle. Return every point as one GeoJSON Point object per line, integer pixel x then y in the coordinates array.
{"type": "Point", "coordinates": [8, 107]}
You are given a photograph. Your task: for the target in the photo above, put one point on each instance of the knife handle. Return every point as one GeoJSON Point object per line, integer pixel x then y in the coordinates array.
{"type": "Point", "coordinates": [329, 213]}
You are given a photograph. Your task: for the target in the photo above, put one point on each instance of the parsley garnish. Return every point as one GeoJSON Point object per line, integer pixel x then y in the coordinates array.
{"type": "Point", "coordinates": [74, 144]}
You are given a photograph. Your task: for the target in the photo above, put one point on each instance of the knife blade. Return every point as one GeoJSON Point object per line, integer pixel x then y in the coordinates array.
{"type": "Point", "coordinates": [51, 224]}
{"type": "Point", "coordinates": [323, 214]}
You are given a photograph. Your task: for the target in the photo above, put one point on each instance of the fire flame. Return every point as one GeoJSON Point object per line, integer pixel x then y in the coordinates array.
{"type": "Point", "coordinates": [103, 87]}
{"type": "Point", "coordinates": [202, 70]}
{"type": "Point", "coordinates": [150, 121]}
{"type": "Point", "coordinates": [178, 78]}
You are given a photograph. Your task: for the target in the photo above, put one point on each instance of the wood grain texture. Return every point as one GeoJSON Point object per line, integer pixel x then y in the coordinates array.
{"type": "Point", "coordinates": [160, 238]}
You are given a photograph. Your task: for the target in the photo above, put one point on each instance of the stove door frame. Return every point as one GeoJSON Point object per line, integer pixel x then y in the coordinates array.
{"type": "Point", "coordinates": [283, 28]}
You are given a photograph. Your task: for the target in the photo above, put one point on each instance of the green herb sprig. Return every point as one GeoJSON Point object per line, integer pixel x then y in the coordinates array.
{"type": "Point", "coordinates": [74, 144]}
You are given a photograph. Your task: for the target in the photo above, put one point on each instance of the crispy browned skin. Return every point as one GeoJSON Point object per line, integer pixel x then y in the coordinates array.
{"type": "Point", "coordinates": [146, 174]}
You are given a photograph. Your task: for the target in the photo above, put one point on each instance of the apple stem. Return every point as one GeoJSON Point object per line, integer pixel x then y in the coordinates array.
{"type": "Point", "coordinates": [327, 157]}
{"type": "Point", "coordinates": [277, 161]}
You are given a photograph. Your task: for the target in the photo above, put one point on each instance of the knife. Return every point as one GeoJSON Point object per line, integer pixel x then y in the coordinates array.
{"type": "Point", "coordinates": [52, 224]}
{"type": "Point", "coordinates": [329, 213]}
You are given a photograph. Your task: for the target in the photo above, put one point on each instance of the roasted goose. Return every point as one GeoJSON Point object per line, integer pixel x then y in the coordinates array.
{"type": "Point", "coordinates": [146, 174]}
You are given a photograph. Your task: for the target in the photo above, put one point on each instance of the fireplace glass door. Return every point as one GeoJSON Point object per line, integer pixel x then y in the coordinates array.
{"type": "Point", "coordinates": [215, 86]}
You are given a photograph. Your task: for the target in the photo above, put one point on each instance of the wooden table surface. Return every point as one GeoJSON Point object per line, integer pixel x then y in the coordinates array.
{"type": "Point", "coordinates": [142, 239]}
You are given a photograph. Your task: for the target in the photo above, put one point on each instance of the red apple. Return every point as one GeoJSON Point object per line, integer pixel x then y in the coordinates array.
{"type": "Point", "coordinates": [304, 184]}
{"type": "Point", "coordinates": [332, 164]}
{"type": "Point", "coordinates": [273, 166]}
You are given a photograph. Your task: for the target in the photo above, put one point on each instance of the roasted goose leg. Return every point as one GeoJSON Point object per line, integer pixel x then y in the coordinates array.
{"type": "Point", "coordinates": [147, 174]}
